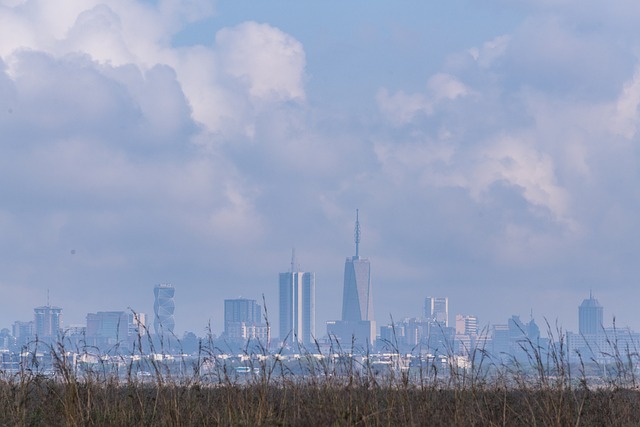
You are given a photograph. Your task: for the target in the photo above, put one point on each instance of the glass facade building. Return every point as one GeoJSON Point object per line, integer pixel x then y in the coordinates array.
{"type": "Point", "coordinates": [107, 328]}
{"type": "Point", "coordinates": [241, 310]}
{"type": "Point", "coordinates": [436, 310]}
{"type": "Point", "coordinates": [163, 308]}
{"type": "Point", "coordinates": [297, 307]}
{"type": "Point", "coordinates": [590, 316]}
{"type": "Point", "coordinates": [358, 323]}
{"type": "Point", "coordinates": [47, 321]}
{"type": "Point", "coordinates": [357, 299]}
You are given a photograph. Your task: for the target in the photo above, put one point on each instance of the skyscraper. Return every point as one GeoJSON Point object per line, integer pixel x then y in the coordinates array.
{"type": "Point", "coordinates": [241, 310]}
{"type": "Point", "coordinates": [163, 307]}
{"type": "Point", "coordinates": [436, 310]}
{"type": "Point", "coordinates": [47, 320]}
{"type": "Point", "coordinates": [243, 320]}
{"type": "Point", "coordinates": [357, 300]}
{"type": "Point", "coordinates": [23, 332]}
{"type": "Point", "coordinates": [590, 315]}
{"type": "Point", "coordinates": [466, 325]}
{"type": "Point", "coordinates": [297, 306]}
{"type": "Point", "coordinates": [137, 324]}
{"type": "Point", "coordinates": [357, 325]}
{"type": "Point", "coordinates": [107, 328]}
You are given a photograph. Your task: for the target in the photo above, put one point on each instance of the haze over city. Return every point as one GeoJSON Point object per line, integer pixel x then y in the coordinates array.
{"type": "Point", "coordinates": [490, 147]}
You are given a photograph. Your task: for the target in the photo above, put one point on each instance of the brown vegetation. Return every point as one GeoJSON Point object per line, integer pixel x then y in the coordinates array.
{"type": "Point", "coordinates": [310, 390]}
{"type": "Point", "coordinates": [42, 401]}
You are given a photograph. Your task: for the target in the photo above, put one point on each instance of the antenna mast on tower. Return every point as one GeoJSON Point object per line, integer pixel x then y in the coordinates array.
{"type": "Point", "coordinates": [357, 234]}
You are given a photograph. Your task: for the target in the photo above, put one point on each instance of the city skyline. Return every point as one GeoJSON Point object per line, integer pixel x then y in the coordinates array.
{"type": "Point", "coordinates": [491, 148]}
{"type": "Point", "coordinates": [120, 331]}
{"type": "Point", "coordinates": [590, 317]}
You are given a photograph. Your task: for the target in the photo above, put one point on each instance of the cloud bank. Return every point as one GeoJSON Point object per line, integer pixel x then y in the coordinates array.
{"type": "Point", "coordinates": [506, 179]}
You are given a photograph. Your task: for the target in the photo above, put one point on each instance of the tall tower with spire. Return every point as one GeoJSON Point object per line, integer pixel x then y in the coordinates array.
{"type": "Point", "coordinates": [357, 327]}
{"type": "Point", "coordinates": [357, 299]}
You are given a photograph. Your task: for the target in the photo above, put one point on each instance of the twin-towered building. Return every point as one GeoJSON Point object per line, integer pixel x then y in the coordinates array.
{"type": "Point", "coordinates": [48, 322]}
{"type": "Point", "coordinates": [436, 311]}
{"type": "Point", "coordinates": [297, 295]}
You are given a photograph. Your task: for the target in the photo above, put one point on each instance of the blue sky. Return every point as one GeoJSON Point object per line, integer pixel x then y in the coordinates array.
{"type": "Point", "coordinates": [491, 147]}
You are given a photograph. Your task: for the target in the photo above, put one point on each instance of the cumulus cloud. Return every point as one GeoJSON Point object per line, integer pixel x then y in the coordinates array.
{"type": "Point", "coordinates": [626, 114]}
{"type": "Point", "coordinates": [113, 138]}
{"type": "Point", "coordinates": [268, 61]}
{"type": "Point", "coordinates": [250, 68]}
{"type": "Point", "coordinates": [490, 51]}
{"type": "Point", "coordinates": [401, 108]}
{"type": "Point", "coordinates": [515, 152]}
{"type": "Point", "coordinates": [519, 164]}
{"type": "Point", "coordinates": [98, 32]}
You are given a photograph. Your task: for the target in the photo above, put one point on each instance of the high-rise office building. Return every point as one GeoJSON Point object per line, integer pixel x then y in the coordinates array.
{"type": "Point", "coordinates": [107, 328]}
{"type": "Point", "coordinates": [243, 320]}
{"type": "Point", "coordinates": [47, 322]}
{"type": "Point", "coordinates": [594, 341]}
{"type": "Point", "coordinates": [357, 324]}
{"type": "Point", "coordinates": [357, 299]}
{"type": "Point", "coordinates": [436, 310]}
{"type": "Point", "coordinates": [297, 306]}
{"type": "Point", "coordinates": [137, 324]}
{"type": "Point", "coordinates": [590, 316]}
{"type": "Point", "coordinates": [23, 332]}
{"type": "Point", "coordinates": [466, 325]}
{"type": "Point", "coordinates": [241, 310]}
{"type": "Point", "coordinates": [163, 308]}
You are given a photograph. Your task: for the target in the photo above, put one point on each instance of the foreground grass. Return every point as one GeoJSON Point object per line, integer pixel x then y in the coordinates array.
{"type": "Point", "coordinates": [313, 390]}
{"type": "Point", "coordinates": [43, 401]}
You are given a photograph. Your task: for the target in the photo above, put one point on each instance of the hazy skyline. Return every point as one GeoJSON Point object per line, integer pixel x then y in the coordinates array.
{"type": "Point", "coordinates": [491, 147]}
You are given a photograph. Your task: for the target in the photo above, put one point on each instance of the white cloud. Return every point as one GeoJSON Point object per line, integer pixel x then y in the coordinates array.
{"type": "Point", "coordinates": [444, 86]}
{"type": "Point", "coordinates": [490, 51]}
{"type": "Point", "coordinates": [518, 163]}
{"type": "Point", "coordinates": [269, 62]}
{"type": "Point", "coordinates": [401, 108]}
{"type": "Point", "coordinates": [626, 114]}
{"type": "Point", "coordinates": [98, 32]}
{"type": "Point", "coordinates": [520, 150]}
{"type": "Point", "coordinates": [108, 129]}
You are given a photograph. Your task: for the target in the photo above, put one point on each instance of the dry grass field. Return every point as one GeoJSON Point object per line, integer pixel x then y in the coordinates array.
{"type": "Point", "coordinates": [41, 401]}
{"type": "Point", "coordinates": [273, 394]}
{"type": "Point", "coordinates": [545, 391]}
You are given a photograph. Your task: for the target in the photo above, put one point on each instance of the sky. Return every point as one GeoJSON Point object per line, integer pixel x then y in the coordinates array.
{"type": "Point", "coordinates": [491, 148]}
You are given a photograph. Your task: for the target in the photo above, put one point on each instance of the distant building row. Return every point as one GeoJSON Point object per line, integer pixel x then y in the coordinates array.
{"type": "Point", "coordinates": [103, 330]}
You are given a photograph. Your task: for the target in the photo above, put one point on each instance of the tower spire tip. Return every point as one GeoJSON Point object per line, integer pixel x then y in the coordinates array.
{"type": "Point", "coordinates": [357, 234]}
